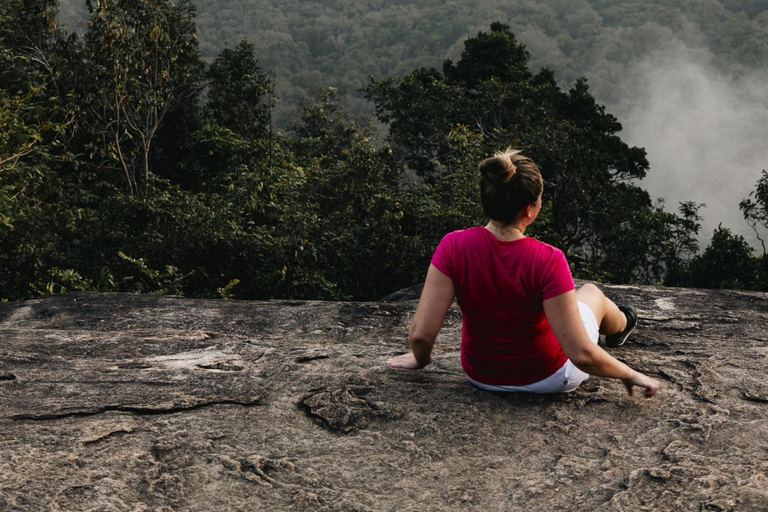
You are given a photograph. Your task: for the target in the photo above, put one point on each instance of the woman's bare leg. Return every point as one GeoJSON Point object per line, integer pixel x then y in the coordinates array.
{"type": "Point", "coordinates": [609, 317]}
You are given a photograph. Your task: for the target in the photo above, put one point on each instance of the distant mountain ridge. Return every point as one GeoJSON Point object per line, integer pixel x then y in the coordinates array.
{"type": "Point", "coordinates": [314, 44]}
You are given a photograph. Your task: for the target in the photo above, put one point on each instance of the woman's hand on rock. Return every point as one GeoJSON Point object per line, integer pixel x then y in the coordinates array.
{"type": "Point", "coordinates": [651, 386]}
{"type": "Point", "coordinates": [407, 361]}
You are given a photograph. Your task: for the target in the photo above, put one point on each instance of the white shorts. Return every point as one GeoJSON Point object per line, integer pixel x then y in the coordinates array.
{"type": "Point", "coordinates": [568, 377]}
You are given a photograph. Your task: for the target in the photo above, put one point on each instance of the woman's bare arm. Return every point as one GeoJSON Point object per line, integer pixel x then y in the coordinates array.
{"type": "Point", "coordinates": [436, 299]}
{"type": "Point", "coordinates": [563, 315]}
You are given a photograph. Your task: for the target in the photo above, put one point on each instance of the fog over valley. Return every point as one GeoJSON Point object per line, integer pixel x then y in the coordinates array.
{"type": "Point", "coordinates": [705, 133]}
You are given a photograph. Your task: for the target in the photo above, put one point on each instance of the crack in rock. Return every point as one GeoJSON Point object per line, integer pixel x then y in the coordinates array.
{"type": "Point", "coordinates": [139, 411]}
{"type": "Point", "coordinates": [306, 359]}
{"type": "Point", "coordinates": [755, 397]}
{"type": "Point", "coordinates": [107, 436]}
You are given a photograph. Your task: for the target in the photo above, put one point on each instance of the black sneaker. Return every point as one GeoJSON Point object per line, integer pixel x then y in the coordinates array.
{"type": "Point", "coordinates": [618, 339]}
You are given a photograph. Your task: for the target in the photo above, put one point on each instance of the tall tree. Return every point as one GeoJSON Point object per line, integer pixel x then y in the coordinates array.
{"type": "Point", "coordinates": [240, 94]}
{"type": "Point", "coordinates": [35, 111]}
{"type": "Point", "coordinates": [348, 215]}
{"type": "Point", "coordinates": [755, 208]}
{"type": "Point", "coordinates": [38, 177]}
{"type": "Point", "coordinates": [728, 262]}
{"type": "Point", "coordinates": [143, 62]}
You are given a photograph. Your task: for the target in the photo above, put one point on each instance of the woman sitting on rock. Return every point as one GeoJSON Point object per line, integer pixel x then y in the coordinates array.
{"type": "Point", "coordinates": [525, 327]}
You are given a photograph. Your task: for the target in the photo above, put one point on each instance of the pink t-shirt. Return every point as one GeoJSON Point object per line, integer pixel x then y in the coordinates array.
{"type": "Point", "coordinates": [506, 339]}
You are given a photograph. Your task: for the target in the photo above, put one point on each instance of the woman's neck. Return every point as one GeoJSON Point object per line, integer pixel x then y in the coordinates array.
{"type": "Point", "coordinates": [506, 232]}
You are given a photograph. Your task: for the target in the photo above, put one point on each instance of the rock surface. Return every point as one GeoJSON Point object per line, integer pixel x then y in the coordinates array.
{"type": "Point", "coordinates": [132, 403]}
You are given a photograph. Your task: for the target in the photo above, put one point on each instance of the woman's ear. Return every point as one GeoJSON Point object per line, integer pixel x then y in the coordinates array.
{"type": "Point", "coordinates": [530, 210]}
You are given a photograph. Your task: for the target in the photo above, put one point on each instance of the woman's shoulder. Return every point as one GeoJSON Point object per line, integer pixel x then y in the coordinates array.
{"type": "Point", "coordinates": [545, 245]}
{"type": "Point", "coordinates": [465, 232]}
{"type": "Point", "coordinates": [546, 250]}
{"type": "Point", "coordinates": [461, 234]}
{"type": "Point", "coordinates": [461, 240]}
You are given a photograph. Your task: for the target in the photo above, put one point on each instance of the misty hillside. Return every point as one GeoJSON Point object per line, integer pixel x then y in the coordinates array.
{"type": "Point", "coordinates": [312, 44]}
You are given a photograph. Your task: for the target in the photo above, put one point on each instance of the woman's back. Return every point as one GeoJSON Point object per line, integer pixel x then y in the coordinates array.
{"type": "Point", "coordinates": [500, 285]}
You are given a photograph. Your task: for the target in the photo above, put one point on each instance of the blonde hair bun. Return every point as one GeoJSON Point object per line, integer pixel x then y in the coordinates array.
{"type": "Point", "coordinates": [500, 169]}
{"type": "Point", "coordinates": [506, 157]}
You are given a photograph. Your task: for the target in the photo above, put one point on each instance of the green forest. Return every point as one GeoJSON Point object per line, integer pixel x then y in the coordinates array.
{"type": "Point", "coordinates": [130, 162]}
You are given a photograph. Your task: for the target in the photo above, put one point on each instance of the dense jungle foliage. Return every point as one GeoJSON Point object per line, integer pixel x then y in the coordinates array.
{"type": "Point", "coordinates": [129, 164]}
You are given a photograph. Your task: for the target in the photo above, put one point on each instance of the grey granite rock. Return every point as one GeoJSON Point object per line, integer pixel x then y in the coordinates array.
{"type": "Point", "coordinates": [138, 403]}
